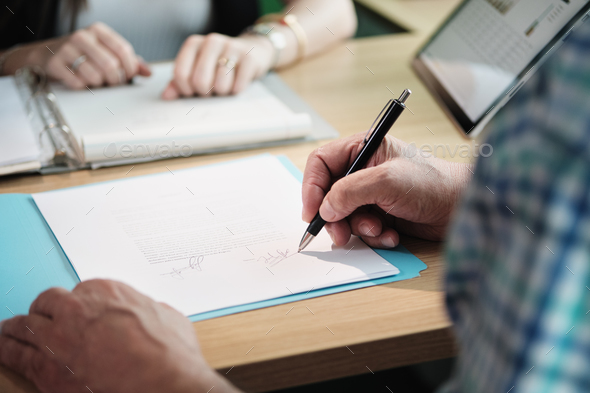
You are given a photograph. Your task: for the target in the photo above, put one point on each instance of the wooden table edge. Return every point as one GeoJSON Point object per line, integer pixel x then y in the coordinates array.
{"type": "Point", "coordinates": [343, 361]}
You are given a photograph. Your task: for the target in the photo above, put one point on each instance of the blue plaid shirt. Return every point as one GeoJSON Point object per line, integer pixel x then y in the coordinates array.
{"type": "Point", "coordinates": [518, 252]}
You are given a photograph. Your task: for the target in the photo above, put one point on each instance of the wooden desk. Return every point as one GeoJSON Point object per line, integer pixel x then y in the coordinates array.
{"type": "Point", "coordinates": [416, 16]}
{"type": "Point", "coordinates": [348, 333]}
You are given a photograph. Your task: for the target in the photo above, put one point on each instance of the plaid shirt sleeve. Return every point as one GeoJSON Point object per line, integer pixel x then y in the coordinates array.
{"type": "Point", "coordinates": [518, 252]}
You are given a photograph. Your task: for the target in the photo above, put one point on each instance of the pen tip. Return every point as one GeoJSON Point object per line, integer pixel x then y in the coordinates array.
{"type": "Point", "coordinates": [298, 250]}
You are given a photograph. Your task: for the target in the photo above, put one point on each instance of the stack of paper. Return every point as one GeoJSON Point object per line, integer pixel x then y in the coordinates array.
{"type": "Point", "coordinates": [203, 239]}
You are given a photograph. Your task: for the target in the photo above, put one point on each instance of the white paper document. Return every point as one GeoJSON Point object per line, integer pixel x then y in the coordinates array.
{"type": "Point", "coordinates": [205, 238]}
{"type": "Point", "coordinates": [133, 123]}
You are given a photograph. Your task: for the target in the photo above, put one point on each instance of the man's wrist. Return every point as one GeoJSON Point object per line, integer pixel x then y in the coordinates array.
{"type": "Point", "coordinates": [460, 176]}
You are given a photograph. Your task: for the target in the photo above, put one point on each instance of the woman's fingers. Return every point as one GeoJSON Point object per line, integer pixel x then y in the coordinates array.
{"type": "Point", "coordinates": [226, 72]}
{"type": "Point", "coordinates": [144, 68]}
{"type": "Point", "coordinates": [215, 64]}
{"type": "Point", "coordinates": [59, 68]}
{"type": "Point", "coordinates": [88, 72]}
{"type": "Point", "coordinates": [118, 46]}
{"type": "Point", "coordinates": [245, 73]}
{"type": "Point", "coordinates": [171, 92]}
{"type": "Point", "coordinates": [107, 62]}
{"type": "Point", "coordinates": [185, 63]}
{"type": "Point", "coordinates": [95, 56]}
{"type": "Point", "coordinates": [108, 59]}
{"type": "Point", "coordinates": [203, 78]}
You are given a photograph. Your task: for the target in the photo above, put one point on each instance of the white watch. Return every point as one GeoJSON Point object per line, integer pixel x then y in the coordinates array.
{"type": "Point", "coordinates": [276, 38]}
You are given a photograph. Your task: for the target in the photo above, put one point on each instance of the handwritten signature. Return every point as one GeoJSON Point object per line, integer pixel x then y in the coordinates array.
{"type": "Point", "coordinates": [194, 263]}
{"type": "Point", "coordinates": [273, 260]}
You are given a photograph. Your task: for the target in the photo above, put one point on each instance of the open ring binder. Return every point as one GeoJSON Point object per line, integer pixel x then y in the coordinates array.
{"type": "Point", "coordinates": [60, 148]}
{"type": "Point", "coordinates": [59, 130]}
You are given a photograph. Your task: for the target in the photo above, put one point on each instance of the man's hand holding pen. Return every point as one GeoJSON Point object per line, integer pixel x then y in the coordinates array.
{"type": "Point", "coordinates": [396, 192]}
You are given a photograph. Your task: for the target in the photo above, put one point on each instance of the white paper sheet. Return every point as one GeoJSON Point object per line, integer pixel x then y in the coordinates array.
{"type": "Point", "coordinates": [17, 139]}
{"type": "Point", "coordinates": [203, 239]}
{"type": "Point", "coordinates": [132, 121]}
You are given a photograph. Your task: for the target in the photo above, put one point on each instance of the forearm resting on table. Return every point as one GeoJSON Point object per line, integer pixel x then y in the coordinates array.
{"type": "Point", "coordinates": [20, 56]}
{"type": "Point", "coordinates": [324, 21]}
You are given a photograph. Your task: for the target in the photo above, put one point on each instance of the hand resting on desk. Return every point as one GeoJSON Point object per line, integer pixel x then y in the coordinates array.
{"type": "Point", "coordinates": [106, 336]}
{"type": "Point", "coordinates": [94, 56]}
{"type": "Point", "coordinates": [400, 191]}
{"type": "Point", "coordinates": [218, 64]}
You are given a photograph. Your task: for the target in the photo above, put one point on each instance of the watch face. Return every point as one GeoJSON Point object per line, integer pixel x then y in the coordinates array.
{"type": "Point", "coordinates": [278, 39]}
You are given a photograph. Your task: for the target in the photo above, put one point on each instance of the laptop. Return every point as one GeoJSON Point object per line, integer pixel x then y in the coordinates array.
{"type": "Point", "coordinates": [487, 49]}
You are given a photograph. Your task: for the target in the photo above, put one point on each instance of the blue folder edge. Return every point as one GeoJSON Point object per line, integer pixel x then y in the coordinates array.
{"type": "Point", "coordinates": [31, 261]}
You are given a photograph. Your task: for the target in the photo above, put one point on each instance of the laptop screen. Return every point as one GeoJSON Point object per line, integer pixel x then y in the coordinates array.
{"type": "Point", "coordinates": [480, 52]}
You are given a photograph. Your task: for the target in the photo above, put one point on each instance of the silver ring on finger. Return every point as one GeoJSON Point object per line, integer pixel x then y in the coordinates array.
{"type": "Point", "coordinates": [78, 62]}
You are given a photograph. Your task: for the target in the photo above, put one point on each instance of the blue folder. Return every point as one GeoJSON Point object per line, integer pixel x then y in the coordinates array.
{"type": "Point", "coordinates": [32, 260]}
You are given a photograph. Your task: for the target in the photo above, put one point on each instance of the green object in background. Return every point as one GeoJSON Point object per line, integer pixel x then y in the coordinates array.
{"type": "Point", "coordinates": [270, 6]}
{"type": "Point", "coordinates": [370, 23]}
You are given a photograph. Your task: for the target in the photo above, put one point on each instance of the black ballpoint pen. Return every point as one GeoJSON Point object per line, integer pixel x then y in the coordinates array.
{"type": "Point", "coordinates": [392, 110]}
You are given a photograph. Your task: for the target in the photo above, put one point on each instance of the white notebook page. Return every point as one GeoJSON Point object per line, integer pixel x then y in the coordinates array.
{"type": "Point", "coordinates": [205, 238]}
{"type": "Point", "coordinates": [17, 140]}
{"type": "Point", "coordinates": [106, 119]}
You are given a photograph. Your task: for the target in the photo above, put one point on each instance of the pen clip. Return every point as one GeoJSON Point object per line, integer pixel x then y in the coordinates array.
{"type": "Point", "coordinates": [376, 120]}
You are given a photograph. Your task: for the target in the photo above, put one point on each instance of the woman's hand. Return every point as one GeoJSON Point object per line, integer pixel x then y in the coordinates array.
{"type": "Point", "coordinates": [94, 56]}
{"type": "Point", "coordinates": [218, 64]}
{"type": "Point", "coordinates": [399, 191]}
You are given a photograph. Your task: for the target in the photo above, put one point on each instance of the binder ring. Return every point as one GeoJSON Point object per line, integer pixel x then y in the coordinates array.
{"type": "Point", "coordinates": [36, 81]}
